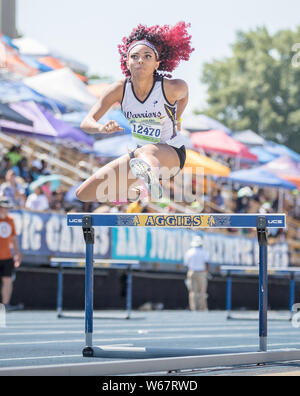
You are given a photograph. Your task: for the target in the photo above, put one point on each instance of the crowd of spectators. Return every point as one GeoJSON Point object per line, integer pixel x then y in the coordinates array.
{"type": "Point", "coordinates": [17, 175]}
{"type": "Point", "coordinates": [16, 178]}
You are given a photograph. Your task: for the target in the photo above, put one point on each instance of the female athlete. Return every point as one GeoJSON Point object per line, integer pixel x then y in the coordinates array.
{"type": "Point", "coordinates": [153, 106]}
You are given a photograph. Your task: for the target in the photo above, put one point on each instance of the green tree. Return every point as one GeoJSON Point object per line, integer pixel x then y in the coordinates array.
{"type": "Point", "coordinates": [258, 87]}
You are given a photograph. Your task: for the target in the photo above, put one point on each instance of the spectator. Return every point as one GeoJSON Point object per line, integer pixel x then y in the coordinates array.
{"type": "Point", "coordinates": [14, 155]}
{"type": "Point", "coordinates": [35, 170]}
{"type": "Point", "coordinates": [44, 169]}
{"type": "Point", "coordinates": [57, 202]}
{"type": "Point", "coordinates": [8, 261]}
{"type": "Point", "coordinates": [24, 171]}
{"type": "Point", "coordinates": [12, 190]}
{"type": "Point", "coordinates": [5, 164]}
{"type": "Point", "coordinates": [46, 189]}
{"type": "Point", "coordinates": [196, 260]}
{"type": "Point", "coordinates": [217, 198]}
{"type": "Point", "coordinates": [244, 196]}
{"type": "Point", "coordinates": [37, 201]}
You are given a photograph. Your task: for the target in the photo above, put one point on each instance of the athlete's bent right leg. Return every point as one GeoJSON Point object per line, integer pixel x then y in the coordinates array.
{"type": "Point", "coordinates": [112, 182]}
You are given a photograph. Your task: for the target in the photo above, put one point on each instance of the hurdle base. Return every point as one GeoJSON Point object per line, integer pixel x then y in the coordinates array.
{"type": "Point", "coordinates": [157, 352]}
{"type": "Point", "coordinates": [88, 352]}
{"type": "Point", "coordinates": [100, 317]}
{"type": "Point", "coordinates": [255, 317]}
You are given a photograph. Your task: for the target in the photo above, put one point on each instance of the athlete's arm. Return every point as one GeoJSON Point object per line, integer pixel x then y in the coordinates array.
{"type": "Point", "coordinates": [17, 256]}
{"type": "Point", "coordinates": [177, 91]}
{"type": "Point", "coordinates": [112, 95]}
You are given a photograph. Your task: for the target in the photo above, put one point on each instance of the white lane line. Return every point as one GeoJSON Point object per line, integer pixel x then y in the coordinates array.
{"type": "Point", "coordinates": [118, 331]}
{"type": "Point", "coordinates": [192, 336]}
{"type": "Point", "coordinates": [40, 357]}
{"type": "Point", "coordinates": [57, 329]}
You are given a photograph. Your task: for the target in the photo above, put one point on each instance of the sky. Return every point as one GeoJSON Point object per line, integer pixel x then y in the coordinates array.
{"type": "Point", "coordinates": [90, 30]}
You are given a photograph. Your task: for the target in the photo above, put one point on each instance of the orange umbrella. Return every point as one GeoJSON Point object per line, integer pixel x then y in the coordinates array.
{"type": "Point", "coordinates": [293, 179]}
{"type": "Point", "coordinates": [196, 161]}
{"type": "Point", "coordinates": [286, 168]}
{"type": "Point", "coordinates": [57, 64]}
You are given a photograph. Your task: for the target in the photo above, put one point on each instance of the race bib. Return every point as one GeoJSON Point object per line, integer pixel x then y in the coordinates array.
{"type": "Point", "coordinates": [147, 130]}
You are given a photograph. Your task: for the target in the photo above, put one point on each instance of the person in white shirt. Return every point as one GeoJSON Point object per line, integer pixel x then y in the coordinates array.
{"type": "Point", "coordinates": [37, 201]}
{"type": "Point", "coordinates": [196, 261]}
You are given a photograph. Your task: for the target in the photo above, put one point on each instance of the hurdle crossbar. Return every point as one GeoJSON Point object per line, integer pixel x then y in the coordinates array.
{"type": "Point", "coordinates": [71, 262]}
{"type": "Point", "coordinates": [176, 220]}
{"type": "Point", "coordinates": [195, 221]}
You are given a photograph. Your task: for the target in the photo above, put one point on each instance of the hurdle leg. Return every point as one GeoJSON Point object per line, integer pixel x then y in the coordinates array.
{"type": "Point", "coordinates": [88, 233]}
{"type": "Point", "coordinates": [292, 293]}
{"type": "Point", "coordinates": [59, 304]}
{"type": "Point", "coordinates": [129, 292]}
{"type": "Point", "coordinates": [263, 282]}
{"type": "Point", "coordinates": [228, 295]}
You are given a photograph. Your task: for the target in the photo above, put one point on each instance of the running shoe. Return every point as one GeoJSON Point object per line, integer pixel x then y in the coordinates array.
{"type": "Point", "coordinates": [143, 171]}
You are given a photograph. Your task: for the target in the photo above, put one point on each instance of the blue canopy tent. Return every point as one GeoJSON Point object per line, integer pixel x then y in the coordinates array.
{"type": "Point", "coordinates": [7, 40]}
{"type": "Point", "coordinates": [75, 118]}
{"type": "Point", "coordinates": [260, 177]}
{"type": "Point", "coordinates": [280, 150]}
{"type": "Point", "coordinates": [45, 125]}
{"type": "Point", "coordinates": [31, 61]}
{"type": "Point", "coordinates": [16, 91]}
{"type": "Point", "coordinates": [263, 155]}
{"type": "Point", "coordinates": [114, 146]}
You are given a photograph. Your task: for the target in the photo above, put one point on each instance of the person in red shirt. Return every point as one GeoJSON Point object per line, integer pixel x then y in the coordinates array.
{"type": "Point", "coordinates": [8, 260]}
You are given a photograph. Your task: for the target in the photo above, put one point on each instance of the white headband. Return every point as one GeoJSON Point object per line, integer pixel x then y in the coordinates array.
{"type": "Point", "coordinates": [143, 42]}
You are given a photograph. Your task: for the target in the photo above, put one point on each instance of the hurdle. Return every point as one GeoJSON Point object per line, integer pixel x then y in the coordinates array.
{"type": "Point", "coordinates": [196, 222]}
{"type": "Point", "coordinates": [230, 270]}
{"type": "Point", "coordinates": [70, 262]}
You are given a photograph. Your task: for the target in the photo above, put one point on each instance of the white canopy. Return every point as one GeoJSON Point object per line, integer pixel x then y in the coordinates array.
{"type": "Point", "coordinates": [64, 86]}
{"type": "Point", "coordinates": [202, 122]}
{"type": "Point", "coordinates": [29, 46]}
{"type": "Point", "coordinates": [249, 137]}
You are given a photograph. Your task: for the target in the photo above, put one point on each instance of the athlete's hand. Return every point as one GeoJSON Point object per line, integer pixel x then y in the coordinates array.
{"type": "Point", "coordinates": [17, 260]}
{"type": "Point", "coordinates": [111, 127]}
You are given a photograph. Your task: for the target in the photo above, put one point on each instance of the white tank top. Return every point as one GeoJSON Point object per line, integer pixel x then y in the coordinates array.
{"type": "Point", "coordinates": [153, 120]}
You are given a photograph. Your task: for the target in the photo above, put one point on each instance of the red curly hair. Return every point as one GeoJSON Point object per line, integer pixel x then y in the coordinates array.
{"type": "Point", "coordinates": [172, 43]}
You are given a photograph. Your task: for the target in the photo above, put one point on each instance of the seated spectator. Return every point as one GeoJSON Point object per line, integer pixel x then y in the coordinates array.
{"type": "Point", "coordinates": [37, 201]}
{"type": "Point", "coordinates": [35, 170]}
{"type": "Point", "coordinates": [24, 170]}
{"type": "Point", "coordinates": [266, 207]}
{"type": "Point", "coordinates": [44, 169]}
{"type": "Point", "coordinates": [244, 196]}
{"type": "Point", "coordinates": [14, 155]}
{"type": "Point", "coordinates": [57, 201]}
{"type": "Point", "coordinates": [46, 189]}
{"type": "Point", "coordinates": [5, 164]}
{"type": "Point", "coordinates": [12, 190]}
{"type": "Point", "coordinates": [217, 198]}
